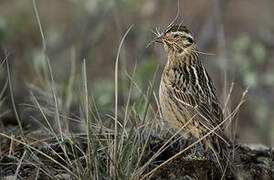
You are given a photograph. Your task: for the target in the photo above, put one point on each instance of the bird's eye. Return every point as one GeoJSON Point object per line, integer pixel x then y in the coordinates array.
{"type": "Point", "coordinates": [190, 40]}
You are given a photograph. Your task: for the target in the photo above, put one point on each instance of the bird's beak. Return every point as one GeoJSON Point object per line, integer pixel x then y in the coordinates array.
{"type": "Point", "coordinates": [159, 39]}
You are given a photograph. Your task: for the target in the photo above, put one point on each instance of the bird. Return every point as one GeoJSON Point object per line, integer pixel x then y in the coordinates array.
{"type": "Point", "coordinates": [187, 93]}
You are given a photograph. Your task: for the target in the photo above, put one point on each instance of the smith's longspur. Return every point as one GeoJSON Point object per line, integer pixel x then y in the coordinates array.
{"type": "Point", "coordinates": [187, 93]}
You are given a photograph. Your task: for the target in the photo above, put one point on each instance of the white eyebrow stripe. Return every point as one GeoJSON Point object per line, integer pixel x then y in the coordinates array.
{"type": "Point", "coordinates": [177, 32]}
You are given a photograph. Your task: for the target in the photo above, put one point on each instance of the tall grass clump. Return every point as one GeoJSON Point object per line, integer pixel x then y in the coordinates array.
{"type": "Point", "coordinates": [112, 150]}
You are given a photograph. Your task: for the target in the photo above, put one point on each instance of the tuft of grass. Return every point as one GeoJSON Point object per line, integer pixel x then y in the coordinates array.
{"type": "Point", "coordinates": [102, 152]}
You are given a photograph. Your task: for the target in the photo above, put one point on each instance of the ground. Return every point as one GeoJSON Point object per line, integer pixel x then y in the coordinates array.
{"type": "Point", "coordinates": [256, 161]}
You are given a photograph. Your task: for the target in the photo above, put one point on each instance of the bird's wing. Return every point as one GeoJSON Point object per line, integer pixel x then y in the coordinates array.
{"type": "Point", "coordinates": [210, 114]}
{"type": "Point", "coordinates": [200, 99]}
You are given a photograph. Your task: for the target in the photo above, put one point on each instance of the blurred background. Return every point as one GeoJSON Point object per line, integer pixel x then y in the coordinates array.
{"type": "Point", "coordinates": [239, 32]}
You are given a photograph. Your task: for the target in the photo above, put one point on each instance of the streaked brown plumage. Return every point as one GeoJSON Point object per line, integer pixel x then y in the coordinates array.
{"type": "Point", "coordinates": [187, 93]}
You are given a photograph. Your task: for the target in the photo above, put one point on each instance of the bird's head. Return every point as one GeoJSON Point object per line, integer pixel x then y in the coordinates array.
{"type": "Point", "coordinates": [177, 39]}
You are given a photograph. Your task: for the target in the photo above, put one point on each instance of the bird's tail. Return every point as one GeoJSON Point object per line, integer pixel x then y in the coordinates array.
{"type": "Point", "coordinates": [222, 149]}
